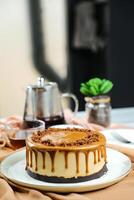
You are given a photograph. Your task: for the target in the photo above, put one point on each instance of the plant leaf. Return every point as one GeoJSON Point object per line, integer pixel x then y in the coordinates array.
{"type": "Point", "coordinates": [93, 81]}
{"type": "Point", "coordinates": [106, 87]}
{"type": "Point", "coordinates": [93, 91]}
{"type": "Point", "coordinates": [83, 85]}
{"type": "Point", "coordinates": [84, 90]}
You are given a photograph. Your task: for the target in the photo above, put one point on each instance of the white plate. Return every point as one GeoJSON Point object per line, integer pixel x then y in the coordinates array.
{"type": "Point", "coordinates": [66, 126]}
{"type": "Point", "coordinates": [126, 134]}
{"type": "Point", "coordinates": [120, 137]}
{"type": "Point", "coordinates": [13, 168]}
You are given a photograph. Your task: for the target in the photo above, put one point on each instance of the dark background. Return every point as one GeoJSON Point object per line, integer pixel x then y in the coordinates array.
{"type": "Point", "coordinates": [121, 59]}
{"type": "Point", "coordinates": [115, 61]}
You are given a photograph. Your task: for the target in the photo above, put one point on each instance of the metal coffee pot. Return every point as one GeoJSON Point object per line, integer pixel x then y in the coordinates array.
{"type": "Point", "coordinates": [44, 102]}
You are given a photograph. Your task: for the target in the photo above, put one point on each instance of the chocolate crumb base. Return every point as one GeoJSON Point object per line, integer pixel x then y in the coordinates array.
{"type": "Point", "coordinates": [91, 137]}
{"type": "Point", "coordinates": [54, 179]}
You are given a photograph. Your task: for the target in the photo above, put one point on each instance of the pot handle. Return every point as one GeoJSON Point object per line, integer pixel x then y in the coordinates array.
{"type": "Point", "coordinates": [72, 96]}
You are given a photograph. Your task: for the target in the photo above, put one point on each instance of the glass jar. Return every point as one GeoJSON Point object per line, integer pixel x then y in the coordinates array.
{"type": "Point", "coordinates": [98, 110]}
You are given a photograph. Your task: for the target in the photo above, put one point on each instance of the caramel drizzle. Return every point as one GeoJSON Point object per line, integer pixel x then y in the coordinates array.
{"type": "Point", "coordinates": [98, 155]}
{"type": "Point", "coordinates": [31, 157]}
{"type": "Point", "coordinates": [86, 157]}
{"type": "Point", "coordinates": [43, 157]}
{"type": "Point", "coordinates": [77, 162]}
{"type": "Point", "coordinates": [52, 156]}
{"type": "Point", "coordinates": [101, 154]}
{"type": "Point", "coordinates": [36, 159]}
{"type": "Point", "coordinates": [95, 160]}
{"type": "Point", "coordinates": [66, 159]}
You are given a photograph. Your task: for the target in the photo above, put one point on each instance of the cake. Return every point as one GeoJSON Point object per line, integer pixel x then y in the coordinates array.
{"type": "Point", "coordinates": [66, 155]}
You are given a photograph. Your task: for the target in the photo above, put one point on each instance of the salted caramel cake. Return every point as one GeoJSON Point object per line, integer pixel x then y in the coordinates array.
{"type": "Point", "coordinates": [66, 155]}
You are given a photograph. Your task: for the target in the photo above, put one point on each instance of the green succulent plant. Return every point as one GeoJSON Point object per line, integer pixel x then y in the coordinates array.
{"type": "Point", "coordinates": [96, 87]}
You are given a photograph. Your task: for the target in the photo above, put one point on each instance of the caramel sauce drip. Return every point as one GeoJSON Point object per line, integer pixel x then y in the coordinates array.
{"type": "Point", "coordinates": [31, 158]}
{"type": "Point", "coordinates": [104, 150]}
{"type": "Point", "coordinates": [77, 162]}
{"type": "Point", "coordinates": [95, 160]}
{"type": "Point", "coordinates": [36, 159]}
{"type": "Point", "coordinates": [43, 158]}
{"type": "Point", "coordinates": [66, 159]}
{"type": "Point", "coordinates": [98, 155]}
{"type": "Point", "coordinates": [52, 156]}
{"type": "Point", "coordinates": [86, 157]}
{"type": "Point", "coordinates": [101, 153]}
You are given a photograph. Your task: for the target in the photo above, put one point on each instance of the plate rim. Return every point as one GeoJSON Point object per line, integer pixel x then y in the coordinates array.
{"type": "Point", "coordinates": [64, 188]}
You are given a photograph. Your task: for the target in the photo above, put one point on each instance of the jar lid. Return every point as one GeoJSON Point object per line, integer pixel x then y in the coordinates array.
{"type": "Point", "coordinates": [98, 99]}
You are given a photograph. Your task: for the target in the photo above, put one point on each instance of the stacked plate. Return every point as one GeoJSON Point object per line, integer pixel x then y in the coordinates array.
{"type": "Point", "coordinates": [122, 137]}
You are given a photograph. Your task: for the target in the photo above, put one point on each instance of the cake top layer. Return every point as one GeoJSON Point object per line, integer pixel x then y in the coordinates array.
{"type": "Point", "coordinates": [66, 137]}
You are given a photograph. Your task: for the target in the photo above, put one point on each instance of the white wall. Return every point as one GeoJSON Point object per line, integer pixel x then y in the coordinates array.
{"type": "Point", "coordinates": [16, 67]}
{"type": "Point", "coordinates": [55, 32]}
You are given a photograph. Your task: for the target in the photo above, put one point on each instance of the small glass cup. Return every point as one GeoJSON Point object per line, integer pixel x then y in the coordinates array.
{"type": "Point", "coordinates": [17, 136]}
